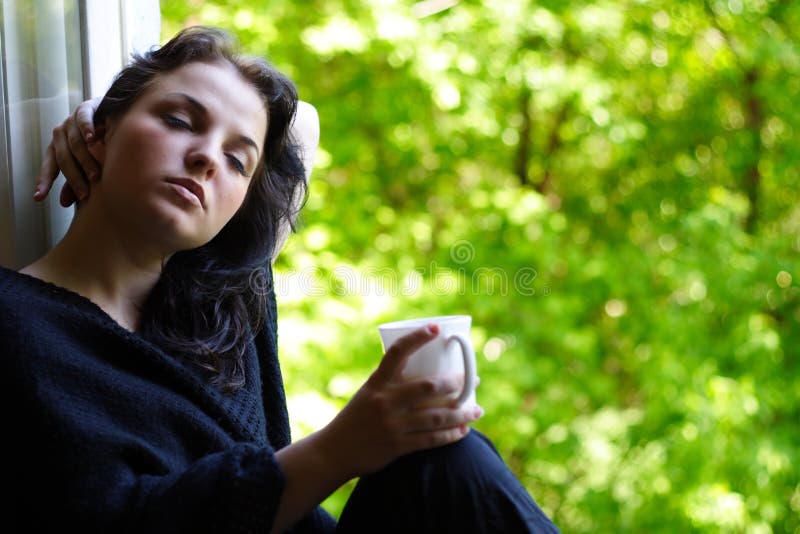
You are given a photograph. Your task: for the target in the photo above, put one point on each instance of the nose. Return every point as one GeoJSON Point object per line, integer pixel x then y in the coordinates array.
{"type": "Point", "coordinates": [203, 159]}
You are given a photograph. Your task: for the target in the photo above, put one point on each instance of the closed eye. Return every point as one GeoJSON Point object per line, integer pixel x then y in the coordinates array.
{"type": "Point", "coordinates": [238, 165]}
{"type": "Point", "coordinates": [175, 122]}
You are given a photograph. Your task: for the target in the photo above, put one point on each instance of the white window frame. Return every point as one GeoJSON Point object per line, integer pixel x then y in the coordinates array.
{"type": "Point", "coordinates": [110, 31]}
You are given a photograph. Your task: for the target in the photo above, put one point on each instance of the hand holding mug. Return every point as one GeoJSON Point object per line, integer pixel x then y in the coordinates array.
{"type": "Point", "coordinates": [450, 354]}
{"type": "Point", "coordinates": [389, 416]}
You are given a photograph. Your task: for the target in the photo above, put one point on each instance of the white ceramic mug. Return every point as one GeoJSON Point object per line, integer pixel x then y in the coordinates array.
{"type": "Point", "coordinates": [450, 352]}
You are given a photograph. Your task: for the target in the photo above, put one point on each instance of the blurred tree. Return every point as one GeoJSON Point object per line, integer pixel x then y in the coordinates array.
{"type": "Point", "coordinates": [609, 188]}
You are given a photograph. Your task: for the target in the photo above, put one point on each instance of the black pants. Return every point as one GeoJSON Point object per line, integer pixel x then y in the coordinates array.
{"type": "Point", "coordinates": [464, 487]}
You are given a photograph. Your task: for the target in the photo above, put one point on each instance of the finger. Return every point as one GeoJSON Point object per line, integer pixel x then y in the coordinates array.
{"type": "Point", "coordinates": [48, 173]}
{"type": "Point", "coordinates": [80, 152]}
{"type": "Point", "coordinates": [69, 167]}
{"type": "Point", "coordinates": [426, 390]}
{"type": "Point", "coordinates": [396, 355]}
{"type": "Point", "coordinates": [84, 118]}
{"type": "Point", "coordinates": [435, 419]}
{"type": "Point", "coordinates": [67, 197]}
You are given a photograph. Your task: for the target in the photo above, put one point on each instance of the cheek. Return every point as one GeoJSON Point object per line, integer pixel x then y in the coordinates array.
{"type": "Point", "coordinates": [231, 199]}
{"type": "Point", "coordinates": [138, 146]}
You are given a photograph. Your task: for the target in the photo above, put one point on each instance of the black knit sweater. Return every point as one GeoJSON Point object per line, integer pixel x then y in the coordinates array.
{"type": "Point", "coordinates": [108, 433]}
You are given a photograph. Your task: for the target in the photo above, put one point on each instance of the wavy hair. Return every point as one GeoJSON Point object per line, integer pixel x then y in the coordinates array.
{"type": "Point", "coordinates": [209, 302]}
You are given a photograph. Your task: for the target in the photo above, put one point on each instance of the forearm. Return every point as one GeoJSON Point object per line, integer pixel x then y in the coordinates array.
{"type": "Point", "coordinates": [384, 420]}
{"type": "Point", "coordinates": [311, 475]}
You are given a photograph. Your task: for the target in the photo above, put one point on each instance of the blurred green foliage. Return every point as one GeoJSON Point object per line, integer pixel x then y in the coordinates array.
{"type": "Point", "coordinates": [610, 189]}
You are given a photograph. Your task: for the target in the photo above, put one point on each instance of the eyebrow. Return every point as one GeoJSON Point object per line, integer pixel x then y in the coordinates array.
{"type": "Point", "coordinates": [201, 108]}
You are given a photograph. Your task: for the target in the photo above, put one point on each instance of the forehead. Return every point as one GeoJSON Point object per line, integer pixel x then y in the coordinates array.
{"type": "Point", "coordinates": [222, 90]}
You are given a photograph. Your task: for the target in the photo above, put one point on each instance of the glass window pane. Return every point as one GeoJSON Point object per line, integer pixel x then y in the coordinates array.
{"type": "Point", "coordinates": [42, 81]}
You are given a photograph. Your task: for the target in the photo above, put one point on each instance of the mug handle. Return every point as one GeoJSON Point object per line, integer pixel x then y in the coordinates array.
{"type": "Point", "coordinates": [469, 366]}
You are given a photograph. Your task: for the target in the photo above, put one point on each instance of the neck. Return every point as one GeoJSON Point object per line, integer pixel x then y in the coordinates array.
{"type": "Point", "coordinates": [96, 259]}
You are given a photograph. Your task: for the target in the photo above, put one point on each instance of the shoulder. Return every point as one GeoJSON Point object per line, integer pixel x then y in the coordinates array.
{"type": "Point", "coordinates": [20, 292]}
{"type": "Point", "coordinates": [14, 298]}
{"type": "Point", "coordinates": [8, 279]}
{"type": "Point", "coordinates": [21, 317]}
{"type": "Point", "coordinates": [32, 313]}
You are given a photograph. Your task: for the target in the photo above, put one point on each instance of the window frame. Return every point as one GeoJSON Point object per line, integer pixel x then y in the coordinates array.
{"type": "Point", "coordinates": [109, 32]}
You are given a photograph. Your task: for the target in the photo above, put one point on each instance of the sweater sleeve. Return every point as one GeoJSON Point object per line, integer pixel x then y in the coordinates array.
{"type": "Point", "coordinates": [234, 491]}
{"type": "Point", "coordinates": [105, 438]}
{"type": "Point", "coordinates": [108, 434]}
{"type": "Point", "coordinates": [94, 468]}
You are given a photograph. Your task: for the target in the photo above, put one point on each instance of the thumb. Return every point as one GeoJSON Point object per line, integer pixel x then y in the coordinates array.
{"type": "Point", "coordinates": [396, 355]}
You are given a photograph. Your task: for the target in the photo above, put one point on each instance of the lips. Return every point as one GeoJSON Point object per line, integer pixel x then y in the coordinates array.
{"type": "Point", "coordinates": [192, 187]}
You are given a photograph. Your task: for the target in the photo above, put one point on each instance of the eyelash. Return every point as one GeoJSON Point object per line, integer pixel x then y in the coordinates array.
{"type": "Point", "coordinates": [237, 165]}
{"type": "Point", "coordinates": [175, 122]}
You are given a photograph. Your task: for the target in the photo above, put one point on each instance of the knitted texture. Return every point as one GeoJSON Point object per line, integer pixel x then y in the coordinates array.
{"type": "Point", "coordinates": [111, 434]}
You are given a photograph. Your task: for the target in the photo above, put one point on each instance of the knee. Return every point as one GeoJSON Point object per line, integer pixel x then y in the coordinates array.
{"type": "Point", "coordinates": [465, 483]}
{"type": "Point", "coordinates": [474, 457]}
{"type": "Point", "coordinates": [474, 447]}
{"type": "Point", "coordinates": [471, 459]}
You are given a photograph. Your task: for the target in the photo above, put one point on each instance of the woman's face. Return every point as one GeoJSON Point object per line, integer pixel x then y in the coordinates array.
{"type": "Point", "coordinates": [177, 165]}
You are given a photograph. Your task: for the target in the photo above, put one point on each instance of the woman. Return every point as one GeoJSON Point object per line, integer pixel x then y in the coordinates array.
{"type": "Point", "coordinates": [141, 352]}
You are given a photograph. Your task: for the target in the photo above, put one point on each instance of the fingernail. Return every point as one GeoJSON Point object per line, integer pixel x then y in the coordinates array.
{"type": "Point", "coordinates": [37, 192]}
{"type": "Point", "coordinates": [433, 329]}
{"type": "Point", "coordinates": [83, 193]}
{"type": "Point", "coordinates": [89, 136]}
{"type": "Point", "coordinates": [93, 176]}
{"type": "Point", "coordinates": [478, 411]}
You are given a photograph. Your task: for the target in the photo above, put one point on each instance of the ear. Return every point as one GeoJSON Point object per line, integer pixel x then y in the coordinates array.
{"type": "Point", "coordinates": [97, 147]}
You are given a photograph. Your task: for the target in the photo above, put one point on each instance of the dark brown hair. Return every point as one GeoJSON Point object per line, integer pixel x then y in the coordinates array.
{"type": "Point", "coordinates": [206, 305]}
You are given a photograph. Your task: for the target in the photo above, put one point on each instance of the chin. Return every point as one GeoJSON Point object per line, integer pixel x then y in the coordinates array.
{"type": "Point", "coordinates": [190, 244]}
{"type": "Point", "coordinates": [180, 233]}
{"type": "Point", "coordinates": [175, 240]}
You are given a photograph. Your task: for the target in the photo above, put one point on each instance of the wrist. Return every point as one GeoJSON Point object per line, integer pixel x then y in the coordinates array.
{"type": "Point", "coordinates": [332, 453]}
{"type": "Point", "coordinates": [312, 472]}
